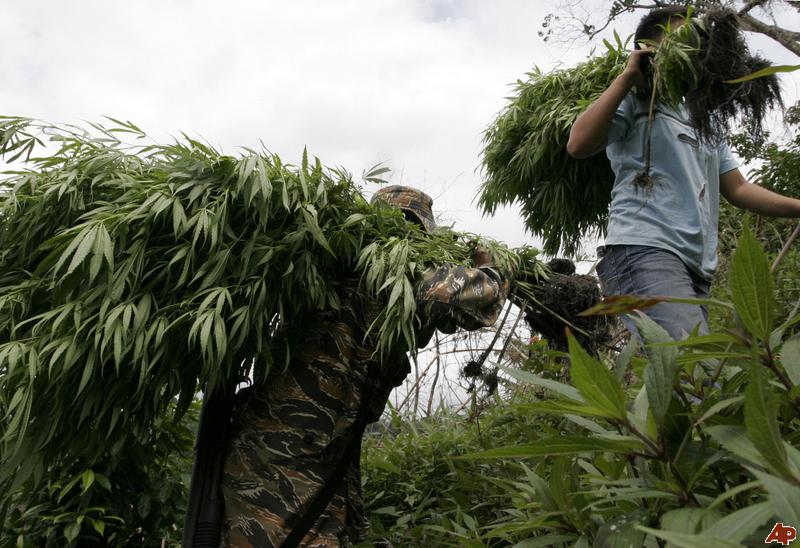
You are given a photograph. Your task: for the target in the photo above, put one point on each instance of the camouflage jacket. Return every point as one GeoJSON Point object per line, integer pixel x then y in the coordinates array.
{"type": "Point", "coordinates": [291, 435]}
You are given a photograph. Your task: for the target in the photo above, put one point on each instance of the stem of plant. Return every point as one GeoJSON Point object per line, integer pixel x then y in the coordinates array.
{"type": "Point", "coordinates": [684, 442]}
{"type": "Point", "coordinates": [489, 349]}
{"type": "Point", "coordinates": [436, 375]}
{"type": "Point", "coordinates": [686, 494]}
{"type": "Point", "coordinates": [656, 450]}
{"type": "Point", "coordinates": [785, 248]}
{"type": "Point", "coordinates": [718, 371]}
{"type": "Point", "coordinates": [511, 334]}
{"type": "Point", "coordinates": [769, 362]}
{"type": "Point", "coordinates": [644, 179]}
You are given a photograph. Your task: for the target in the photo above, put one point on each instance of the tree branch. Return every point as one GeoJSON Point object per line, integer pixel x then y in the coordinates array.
{"type": "Point", "coordinates": [787, 38]}
{"type": "Point", "coordinates": [616, 12]}
{"type": "Point", "coordinates": [750, 5]}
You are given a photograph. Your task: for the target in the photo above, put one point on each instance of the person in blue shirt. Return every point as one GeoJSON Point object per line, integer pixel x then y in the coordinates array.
{"type": "Point", "coordinates": [662, 241]}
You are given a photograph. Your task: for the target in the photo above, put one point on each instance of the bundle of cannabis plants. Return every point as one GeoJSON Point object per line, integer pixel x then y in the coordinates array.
{"type": "Point", "coordinates": [703, 64]}
{"type": "Point", "coordinates": [132, 275]}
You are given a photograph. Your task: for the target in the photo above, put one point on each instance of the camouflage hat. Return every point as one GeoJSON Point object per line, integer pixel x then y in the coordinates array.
{"type": "Point", "coordinates": [411, 200]}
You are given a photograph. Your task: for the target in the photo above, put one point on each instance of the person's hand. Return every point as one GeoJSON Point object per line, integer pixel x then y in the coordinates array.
{"type": "Point", "coordinates": [481, 257]}
{"type": "Point", "coordinates": [633, 70]}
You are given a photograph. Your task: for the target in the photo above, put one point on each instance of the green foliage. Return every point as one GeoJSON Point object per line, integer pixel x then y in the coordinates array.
{"type": "Point", "coordinates": [134, 496]}
{"type": "Point", "coordinates": [700, 64]}
{"type": "Point", "coordinates": [777, 168]}
{"type": "Point", "coordinates": [660, 374]}
{"type": "Point", "coordinates": [752, 287]}
{"type": "Point", "coordinates": [674, 65]}
{"type": "Point", "coordinates": [695, 442]}
{"type": "Point", "coordinates": [564, 199]}
{"type": "Point", "coordinates": [132, 274]}
{"type": "Point", "coordinates": [769, 71]}
{"type": "Point", "coordinates": [418, 493]}
{"type": "Point", "coordinates": [595, 382]}
{"type": "Point", "coordinates": [525, 159]}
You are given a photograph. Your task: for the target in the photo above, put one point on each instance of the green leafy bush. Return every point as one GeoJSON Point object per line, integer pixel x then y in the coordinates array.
{"type": "Point", "coordinates": [776, 166]}
{"type": "Point", "coordinates": [134, 496]}
{"type": "Point", "coordinates": [694, 443]}
{"type": "Point", "coordinates": [133, 274]}
{"type": "Point", "coordinates": [525, 159]}
{"type": "Point", "coordinates": [563, 199]}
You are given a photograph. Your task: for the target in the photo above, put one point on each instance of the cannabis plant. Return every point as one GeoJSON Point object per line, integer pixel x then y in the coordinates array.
{"type": "Point", "coordinates": [703, 64]}
{"type": "Point", "coordinates": [693, 442]}
{"type": "Point", "coordinates": [133, 274]}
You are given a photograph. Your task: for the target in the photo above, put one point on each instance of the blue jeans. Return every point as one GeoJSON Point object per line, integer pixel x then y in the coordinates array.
{"type": "Point", "coordinates": [651, 271]}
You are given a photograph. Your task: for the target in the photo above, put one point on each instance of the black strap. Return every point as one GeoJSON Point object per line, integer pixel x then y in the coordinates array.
{"type": "Point", "coordinates": [332, 484]}
{"type": "Point", "coordinates": [205, 508]}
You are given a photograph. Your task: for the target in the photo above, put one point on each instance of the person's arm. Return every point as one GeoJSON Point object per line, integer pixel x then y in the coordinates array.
{"type": "Point", "coordinates": [589, 133]}
{"type": "Point", "coordinates": [742, 194]}
{"type": "Point", "coordinates": [449, 297]}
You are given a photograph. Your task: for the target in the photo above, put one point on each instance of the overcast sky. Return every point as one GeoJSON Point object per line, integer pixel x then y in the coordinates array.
{"type": "Point", "coordinates": [409, 82]}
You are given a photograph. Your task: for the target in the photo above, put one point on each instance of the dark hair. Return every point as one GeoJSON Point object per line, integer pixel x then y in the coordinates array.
{"type": "Point", "coordinates": [650, 25]}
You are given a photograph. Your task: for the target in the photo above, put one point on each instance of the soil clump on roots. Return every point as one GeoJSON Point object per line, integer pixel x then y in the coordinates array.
{"type": "Point", "coordinates": [560, 299]}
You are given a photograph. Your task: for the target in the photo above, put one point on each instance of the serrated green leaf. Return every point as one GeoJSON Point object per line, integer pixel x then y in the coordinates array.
{"type": "Point", "coordinates": [595, 382]}
{"type": "Point", "coordinates": [761, 421]}
{"type": "Point", "coordinates": [310, 215]}
{"type": "Point", "coordinates": [688, 520]}
{"type": "Point", "coordinates": [718, 407]}
{"type": "Point", "coordinates": [83, 250]}
{"type": "Point", "coordinates": [752, 285]}
{"type": "Point", "coordinates": [553, 386]}
{"type": "Point", "coordinates": [683, 540]}
{"type": "Point", "coordinates": [783, 496]}
{"type": "Point", "coordinates": [790, 359]}
{"type": "Point", "coordinates": [621, 531]}
{"type": "Point", "coordinates": [734, 439]}
{"type": "Point", "coordinates": [623, 359]}
{"type": "Point", "coordinates": [738, 525]}
{"type": "Point", "coordinates": [662, 369]}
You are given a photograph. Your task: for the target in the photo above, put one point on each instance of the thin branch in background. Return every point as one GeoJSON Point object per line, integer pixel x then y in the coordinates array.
{"type": "Point", "coordinates": [511, 334]}
{"type": "Point", "coordinates": [436, 375]}
{"type": "Point", "coordinates": [750, 5]}
{"type": "Point", "coordinates": [786, 38]}
{"type": "Point", "coordinates": [785, 248]}
{"type": "Point", "coordinates": [491, 379]}
{"type": "Point", "coordinates": [416, 385]}
{"type": "Point", "coordinates": [413, 392]}
{"type": "Point", "coordinates": [463, 405]}
{"type": "Point", "coordinates": [488, 350]}
{"type": "Point", "coordinates": [795, 310]}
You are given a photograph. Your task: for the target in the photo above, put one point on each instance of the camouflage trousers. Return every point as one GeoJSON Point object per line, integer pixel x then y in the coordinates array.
{"type": "Point", "coordinates": [288, 442]}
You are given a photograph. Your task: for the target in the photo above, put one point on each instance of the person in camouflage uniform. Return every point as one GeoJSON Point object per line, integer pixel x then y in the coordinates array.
{"type": "Point", "coordinates": [289, 440]}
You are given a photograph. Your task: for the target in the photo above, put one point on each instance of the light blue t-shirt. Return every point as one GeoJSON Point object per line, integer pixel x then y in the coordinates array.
{"type": "Point", "coordinates": [680, 212]}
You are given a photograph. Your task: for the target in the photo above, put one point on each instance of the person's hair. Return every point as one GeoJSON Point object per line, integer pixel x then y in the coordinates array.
{"type": "Point", "coordinates": [650, 26]}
